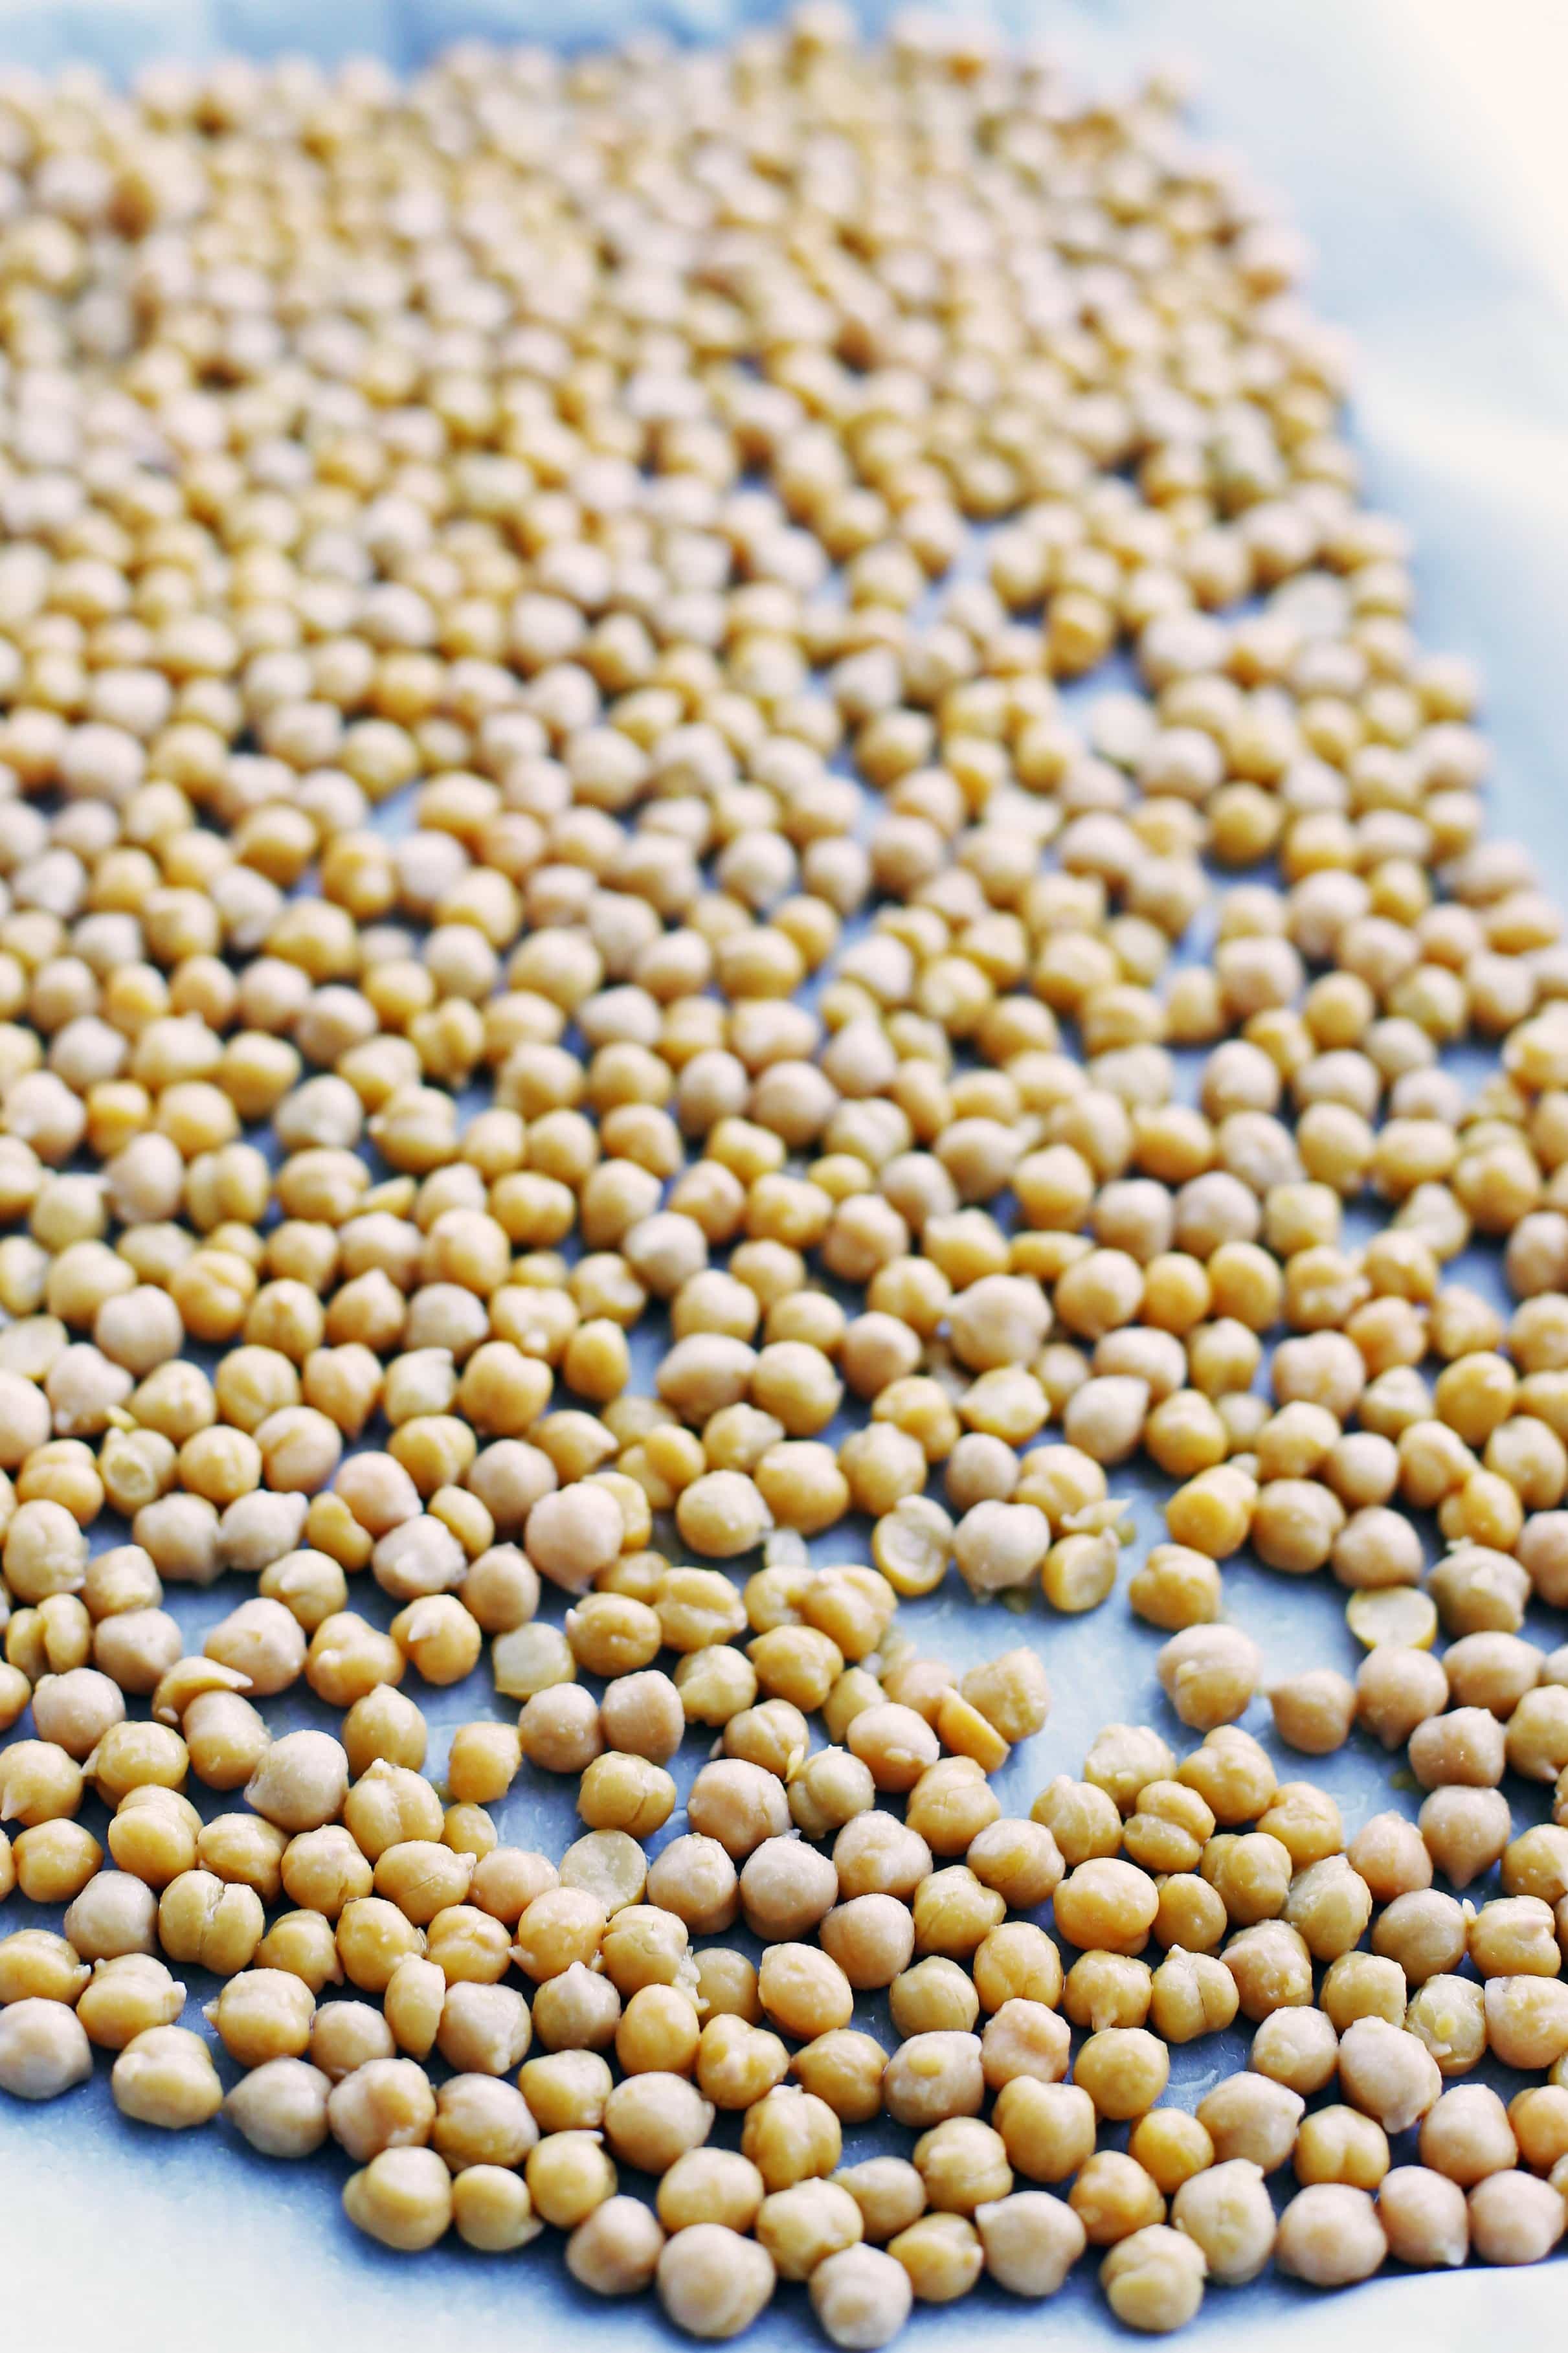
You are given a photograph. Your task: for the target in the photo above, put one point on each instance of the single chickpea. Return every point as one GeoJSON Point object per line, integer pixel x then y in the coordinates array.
{"type": "Point", "coordinates": [1387, 2073]}
{"type": "Point", "coordinates": [1329, 2236]}
{"type": "Point", "coordinates": [712, 2282]}
{"type": "Point", "coordinates": [1153, 2279]}
{"type": "Point", "coordinates": [616, 2249]}
{"type": "Point", "coordinates": [1255, 2116]}
{"type": "Point", "coordinates": [861, 2296]}
{"type": "Point", "coordinates": [1515, 2219]}
{"type": "Point", "coordinates": [1113, 2197]}
{"type": "Point", "coordinates": [404, 2198]}
{"type": "Point", "coordinates": [1227, 2211]}
{"type": "Point", "coordinates": [43, 2048]}
{"type": "Point", "coordinates": [1424, 2218]}
{"type": "Point", "coordinates": [166, 2076]}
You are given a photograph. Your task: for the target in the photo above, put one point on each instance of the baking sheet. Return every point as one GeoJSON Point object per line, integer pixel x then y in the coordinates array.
{"type": "Point", "coordinates": [1461, 416]}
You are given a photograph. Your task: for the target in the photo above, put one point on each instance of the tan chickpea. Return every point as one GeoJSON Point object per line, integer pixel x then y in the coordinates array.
{"type": "Point", "coordinates": [1525, 2018]}
{"type": "Point", "coordinates": [933, 2075]}
{"type": "Point", "coordinates": [575, 2010]}
{"type": "Point", "coordinates": [1084, 1822]}
{"type": "Point", "coordinates": [262, 2014]}
{"type": "Point", "coordinates": [713, 2283]}
{"type": "Point", "coordinates": [1536, 2118]}
{"type": "Point", "coordinates": [484, 2028]}
{"type": "Point", "coordinates": [301, 1782]}
{"type": "Point", "coordinates": [114, 1915]}
{"type": "Point", "coordinates": [1153, 2278]}
{"type": "Point", "coordinates": [165, 2076]}
{"type": "Point", "coordinates": [128, 1995]}
{"type": "Point", "coordinates": [153, 1834]}
{"type": "Point", "coordinates": [1023, 2037]}
{"type": "Point", "coordinates": [43, 2048]}
{"type": "Point", "coordinates": [404, 2198]}
{"type": "Point", "coordinates": [1176, 1589]}
{"type": "Point", "coordinates": [659, 2031]}
{"type": "Point", "coordinates": [1113, 2197]}
{"type": "Point", "coordinates": [1465, 1829]}
{"type": "Point", "coordinates": [1254, 2116]}
{"type": "Point", "coordinates": [1330, 2235]}
{"type": "Point", "coordinates": [933, 1997]}
{"type": "Point", "coordinates": [1108, 1989]}
{"type": "Point", "coordinates": [1424, 2218]}
{"type": "Point", "coordinates": [1107, 1905]}
{"type": "Point", "coordinates": [710, 2184]}
{"type": "Point", "coordinates": [1124, 2071]}
{"type": "Point", "coordinates": [1170, 2146]}
{"type": "Point", "coordinates": [614, 2250]}
{"type": "Point", "coordinates": [1338, 2144]}
{"type": "Point", "coordinates": [1468, 2137]}
{"type": "Point", "coordinates": [1020, 1859]}
{"type": "Point", "coordinates": [1227, 2211]}
{"type": "Point", "coordinates": [1521, 2227]}
{"type": "Point", "coordinates": [1387, 2073]}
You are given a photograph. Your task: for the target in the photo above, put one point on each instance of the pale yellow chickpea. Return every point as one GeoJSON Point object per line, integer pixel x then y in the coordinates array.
{"type": "Point", "coordinates": [1107, 1905]}
{"type": "Point", "coordinates": [712, 2282]}
{"type": "Point", "coordinates": [127, 1995]}
{"type": "Point", "coordinates": [1397, 1689]}
{"type": "Point", "coordinates": [942, 2255]}
{"type": "Point", "coordinates": [1113, 2197]}
{"type": "Point", "coordinates": [166, 2076]}
{"type": "Point", "coordinates": [861, 2295]}
{"type": "Point", "coordinates": [404, 2198]}
{"type": "Point", "coordinates": [614, 2250]}
{"type": "Point", "coordinates": [1209, 1674]}
{"type": "Point", "coordinates": [1330, 2235]}
{"type": "Point", "coordinates": [1153, 2278]}
{"type": "Point", "coordinates": [1176, 1589]}
{"type": "Point", "coordinates": [1227, 2211]}
{"type": "Point", "coordinates": [1465, 1829]}
{"type": "Point", "coordinates": [1254, 2116]}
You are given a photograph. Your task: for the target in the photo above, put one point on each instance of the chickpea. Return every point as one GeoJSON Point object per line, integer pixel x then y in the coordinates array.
{"type": "Point", "coordinates": [1107, 1905]}
{"type": "Point", "coordinates": [712, 2282]}
{"type": "Point", "coordinates": [43, 2048]}
{"type": "Point", "coordinates": [1209, 1674]}
{"type": "Point", "coordinates": [280, 2108]}
{"type": "Point", "coordinates": [1170, 2146]}
{"type": "Point", "coordinates": [165, 2076]}
{"type": "Point", "coordinates": [1254, 2116]}
{"type": "Point", "coordinates": [1387, 2073]}
{"type": "Point", "coordinates": [404, 2198]}
{"type": "Point", "coordinates": [1330, 2235]}
{"type": "Point", "coordinates": [1465, 1829]}
{"type": "Point", "coordinates": [861, 2296]}
{"type": "Point", "coordinates": [1521, 2226]}
{"type": "Point", "coordinates": [1526, 2019]}
{"type": "Point", "coordinates": [1153, 2278]}
{"type": "Point", "coordinates": [791, 2136]}
{"type": "Point", "coordinates": [538, 584]}
{"type": "Point", "coordinates": [942, 2255]}
{"type": "Point", "coordinates": [1424, 2218]}
{"type": "Point", "coordinates": [1225, 2210]}
{"type": "Point", "coordinates": [616, 2249]}
{"type": "Point", "coordinates": [1113, 2197]}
